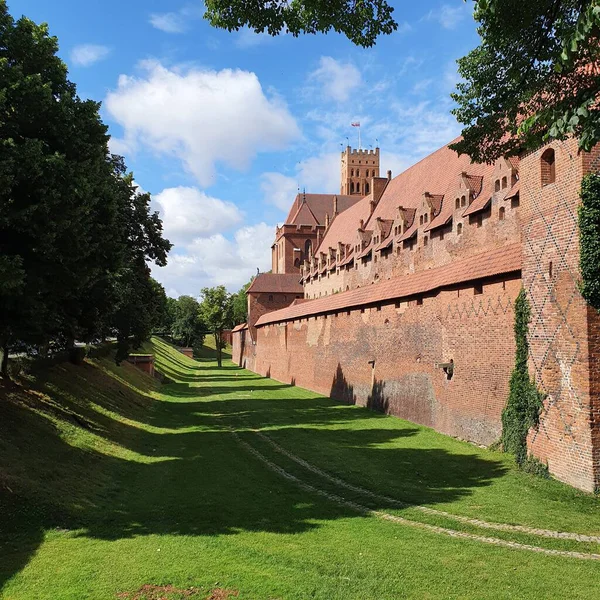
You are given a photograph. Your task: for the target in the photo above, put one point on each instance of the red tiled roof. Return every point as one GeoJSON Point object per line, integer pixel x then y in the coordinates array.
{"type": "Point", "coordinates": [316, 207]}
{"type": "Point", "coordinates": [514, 190]}
{"type": "Point", "coordinates": [488, 264]}
{"type": "Point", "coordinates": [343, 227]}
{"type": "Point", "coordinates": [276, 283]}
{"type": "Point", "coordinates": [239, 327]}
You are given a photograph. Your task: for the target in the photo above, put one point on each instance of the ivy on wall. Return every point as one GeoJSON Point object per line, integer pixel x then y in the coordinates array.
{"type": "Point", "coordinates": [525, 400]}
{"type": "Point", "coordinates": [589, 239]}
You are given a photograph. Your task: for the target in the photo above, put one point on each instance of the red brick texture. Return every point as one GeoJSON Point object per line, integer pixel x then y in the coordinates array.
{"type": "Point", "coordinates": [376, 333]}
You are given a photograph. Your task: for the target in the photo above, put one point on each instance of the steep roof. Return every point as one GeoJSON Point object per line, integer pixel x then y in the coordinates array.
{"type": "Point", "coordinates": [316, 206]}
{"type": "Point", "coordinates": [276, 283]}
{"type": "Point", "coordinates": [437, 174]}
{"type": "Point", "coordinates": [488, 264]}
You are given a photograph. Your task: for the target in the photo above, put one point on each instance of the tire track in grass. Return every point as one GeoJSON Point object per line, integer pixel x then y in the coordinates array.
{"type": "Point", "coordinates": [548, 533]}
{"type": "Point", "coordinates": [404, 521]}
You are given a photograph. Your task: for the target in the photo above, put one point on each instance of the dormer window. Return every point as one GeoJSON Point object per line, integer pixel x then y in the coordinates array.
{"type": "Point", "coordinates": [504, 183]}
{"type": "Point", "coordinates": [425, 217]}
{"type": "Point", "coordinates": [458, 203]}
{"type": "Point", "coordinates": [497, 185]}
{"type": "Point", "coordinates": [463, 201]}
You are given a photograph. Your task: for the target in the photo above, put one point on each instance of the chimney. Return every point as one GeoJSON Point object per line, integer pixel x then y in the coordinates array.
{"type": "Point", "coordinates": [372, 205]}
{"type": "Point", "coordinates": [389, 174]}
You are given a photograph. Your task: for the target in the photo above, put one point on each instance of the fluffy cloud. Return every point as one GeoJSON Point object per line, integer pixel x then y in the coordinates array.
{"type": "Point", "coordinates": [337, 79]}
{"type": "Point", "coordinates": [86, 55]}
{"type": "Point", "coordinates": [202, 117]}
{"type": "Point", "coordinates": [178, 21]}
{"type": "Point", "coordinates": [188, 213]}
{"type": "Point", "coordinates": [216, 260]}
{"type": "Point", "coordinates": [278, 189]}
{"type": "Point", "coordinates": [449, 16]}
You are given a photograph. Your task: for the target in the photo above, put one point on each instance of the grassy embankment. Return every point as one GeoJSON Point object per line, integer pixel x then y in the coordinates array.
{"type": "Point", "coordinates": [110, 482]}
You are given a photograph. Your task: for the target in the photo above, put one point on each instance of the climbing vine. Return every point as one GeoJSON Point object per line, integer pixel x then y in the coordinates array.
{"type": "Point", "coordinates": [589, 239]}
{"type": "Point", "coordinates": [525, 400]}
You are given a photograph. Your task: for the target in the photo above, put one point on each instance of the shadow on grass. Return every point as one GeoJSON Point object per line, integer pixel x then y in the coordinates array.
{"type": "Point", "coordinates": [191, 478]}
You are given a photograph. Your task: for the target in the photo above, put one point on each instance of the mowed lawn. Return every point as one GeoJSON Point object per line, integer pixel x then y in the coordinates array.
{"type": "Point", "coordinates": [222, 484]}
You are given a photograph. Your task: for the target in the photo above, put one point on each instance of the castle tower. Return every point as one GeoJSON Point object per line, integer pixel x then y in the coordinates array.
{"type": "Point", "coordinates": [358, 167]}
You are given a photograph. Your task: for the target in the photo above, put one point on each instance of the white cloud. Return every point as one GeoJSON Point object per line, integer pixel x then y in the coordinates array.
{"type": "Point", "coordinates": [168, 22]}
{"type": "Point", "coordinates": [86, 55]}
{"type": "Point", "coordinates": [338, 79]}
{"type": "Point", "coordinates": [449, 16]}
{"type": "Point", "coordinates": [188, 213]}
{"type": "Point", "coordinates": [202, 117]}
{"type": "Point", "coordinates": [279, 190]}
{"type": "Point", "coordinates": [247, 38]}
{"type": "Point", "coordinates": [177, 21]}
{"type": "Point", "coordinates": [216, 260]}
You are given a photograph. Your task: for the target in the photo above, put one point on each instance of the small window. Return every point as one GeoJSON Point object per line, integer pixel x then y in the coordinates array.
{"type": "Point", "coordinates": [463, 201]}
{"type": "Point", "coordinates": [504, 183]}
{"type": "Point", "coordinates": [270, 298]}
{"type": "Point", "coordinates": [366, 188]}
{"type": "Point", "coordinates": [459, 228]}
{"type": "Point", "coordinates": [421, 220]}
{"type": "Point", "coordinates": [458, 203]}
{"type": "Point", "coordinates": [425, 240]}
{"type": "Point", "coordinates": [497, 185]}
{"type": "Point", "coordinates": [548, 167]}
{"type": "Point", "coordinates": [352, 172]}
{"type": "Point", "coordinates": [501, 213]}
{"type": "Point", "coordinates": [425, 217]}
{"type": "Point", "coordinates": [352, 187]}
{"type": "Point", "coordinates": [419, 301]}
{"type": "Point", "coordinates": [478, 289]}
{"type": "Point", "coordinates": [358, 172]}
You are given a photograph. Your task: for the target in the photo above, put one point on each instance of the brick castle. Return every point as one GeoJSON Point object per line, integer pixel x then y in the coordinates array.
{"type": "Point", "coordinates": [398, 294]}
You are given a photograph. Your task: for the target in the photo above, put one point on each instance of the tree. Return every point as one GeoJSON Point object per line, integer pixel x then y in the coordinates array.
{"type": "Point", "coordinates": [239, 302]}
{"type": "Point", "coordinates": [75, 237]}
{"type": "Point", "coordinates": [361, 22]}
{"type": "Point", "coordinates": [187, 328]}
{"type": "Point", "coordinates": [535, 76]}
{"type": "Point", "coordinates": [216, 311]}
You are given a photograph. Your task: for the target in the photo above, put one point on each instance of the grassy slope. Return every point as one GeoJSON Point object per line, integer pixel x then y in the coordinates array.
{"type": "Point", "coordinates": [109, 481]}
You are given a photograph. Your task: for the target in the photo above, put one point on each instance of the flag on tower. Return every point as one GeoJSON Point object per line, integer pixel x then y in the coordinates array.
{"type": "Point", "coordinates": [355, 124]}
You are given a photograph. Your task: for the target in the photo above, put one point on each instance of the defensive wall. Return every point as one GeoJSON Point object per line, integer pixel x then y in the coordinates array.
{"type": "Point", "coordinates": [431, 340]}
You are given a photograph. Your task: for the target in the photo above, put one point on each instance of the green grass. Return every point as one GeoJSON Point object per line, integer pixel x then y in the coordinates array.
{"type": "Point", "coordinates": [110, 482]}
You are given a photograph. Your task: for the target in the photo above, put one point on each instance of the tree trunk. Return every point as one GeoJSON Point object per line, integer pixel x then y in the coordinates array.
{"type": "Point", "coordinates": [4, 365]}
{"type": "Point", "coordinates": [218, 347]}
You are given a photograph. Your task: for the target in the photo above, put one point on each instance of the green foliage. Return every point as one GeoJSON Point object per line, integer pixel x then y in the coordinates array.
{"type": "Point", "coordinates": [216, 311]}
{"type": "Point", "coordinates": [529, 79]}
{"type": "Point", "coordinates": [589, 239]}
{"type": "Point", "coordinates": [75, 237]}
{"type": "Point", "coordinates": [240, 304]}
{"type": "Point", "coordinates": [187, 328]}
{"type": "Point", "coordinates": [524, 401]}
{"type": "Point", "coordinates": [361, 22]}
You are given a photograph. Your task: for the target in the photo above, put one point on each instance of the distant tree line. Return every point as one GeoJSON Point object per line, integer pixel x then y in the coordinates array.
{"type": "Point", "coordinates": [76, 236]}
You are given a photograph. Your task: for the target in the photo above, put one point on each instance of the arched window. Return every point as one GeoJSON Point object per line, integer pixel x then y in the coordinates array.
{"type": "Point", "coordinates": [548, 167]}
{"type": "Point", "coordinates": [459, 228]}
{"type": "Point", "coordinates": [425, 241]}
{"type": "Point", "coordinates": [458, 203]}
{"type": "Point", "coordinates": [421, 220]}
{"type": "Point", "coordinates": [501, 213]}
{"type": "Point", "coordinates": [307, 249]}
{"type": "Point", "coordinates": [425, 217]}
{"type": "Point", "coordinates": [352, 172]}
{"type": "Point", "coordinates": [366, 188]}
{"type": "Point", "coordinates": [358, 172]}
{"type": "Point", "coordinates": [352, 187]}
{"type": "Point", "coordinates": [497, 185]}
{"type": "Point", "coordinates": [504, 183]}
{"type": "Point", "coordinates": [463, 201]}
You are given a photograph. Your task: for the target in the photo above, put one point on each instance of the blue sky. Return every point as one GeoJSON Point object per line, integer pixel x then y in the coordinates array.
{"type": "Point", "coordinates": [222, 128]}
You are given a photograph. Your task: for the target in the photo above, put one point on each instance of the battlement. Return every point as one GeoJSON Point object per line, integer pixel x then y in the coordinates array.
{"type": "Point", "coordinates": [360, 152]}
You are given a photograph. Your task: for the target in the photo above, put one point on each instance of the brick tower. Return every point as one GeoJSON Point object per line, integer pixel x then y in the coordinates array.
{"type": "Point", "coordinates": [358, 167]}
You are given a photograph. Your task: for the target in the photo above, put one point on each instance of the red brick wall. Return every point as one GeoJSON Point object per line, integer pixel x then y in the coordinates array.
{"type": "Point", "coordinates": [563, 333]}
{"type": "Point", "coordinates": [331, 355]}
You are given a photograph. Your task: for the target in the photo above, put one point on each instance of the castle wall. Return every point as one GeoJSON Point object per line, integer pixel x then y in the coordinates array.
{"type": "Point", "coordinates": [564, 331]}
{"type": "Point", "coordinates": [330, 354]}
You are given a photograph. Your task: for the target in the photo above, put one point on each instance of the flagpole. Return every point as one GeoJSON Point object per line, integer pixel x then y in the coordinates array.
{"type": "Point", "coordinates": [359, 137]}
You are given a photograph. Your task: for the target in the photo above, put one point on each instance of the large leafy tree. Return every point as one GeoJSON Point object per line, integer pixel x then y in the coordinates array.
{"type": "Point", "coordinates": [360, 21]}
{"type": "Point", "coordinates": [187, 328]}
{"type": "Point", "coordinates": [72, 226]}
{"type": "Point", "coordinates": [534, 76]}
{"type": "Point", "coordinates": [216, 312]}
